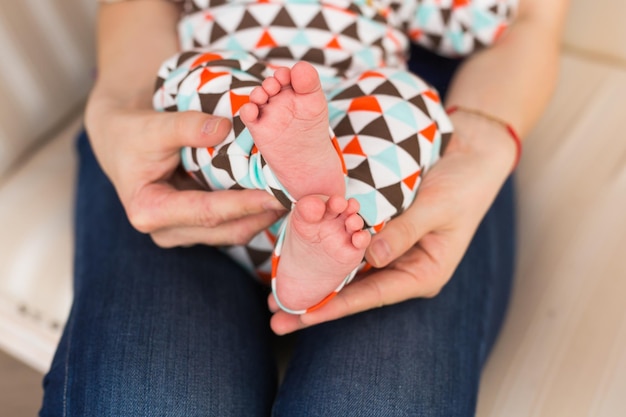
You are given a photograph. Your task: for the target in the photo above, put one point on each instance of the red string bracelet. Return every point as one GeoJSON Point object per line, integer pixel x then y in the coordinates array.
{"type": "Point", "coordinates": [507, 126]}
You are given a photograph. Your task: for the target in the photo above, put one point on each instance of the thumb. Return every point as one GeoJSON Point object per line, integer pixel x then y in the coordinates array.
{"type": "Point", "coordinates": [401, 234]}
{"type": "Point", "coordinates": [175, 130]}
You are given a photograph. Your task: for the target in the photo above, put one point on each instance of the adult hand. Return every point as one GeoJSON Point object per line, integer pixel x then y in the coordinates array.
{"type": "Point", "coordinates": [139, 151]}
{"type": "Point", "coordinates": [420, 249]}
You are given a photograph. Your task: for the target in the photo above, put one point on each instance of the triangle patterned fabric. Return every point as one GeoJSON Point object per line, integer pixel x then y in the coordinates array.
{"type": "Point", "coordinates": [387, 124]}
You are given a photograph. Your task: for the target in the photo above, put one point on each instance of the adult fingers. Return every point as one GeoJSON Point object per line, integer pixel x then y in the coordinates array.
{"type": "Point", "coordinates": [416, 274]}
{"type": "Point", "coordinates": [160, 206]}
{"type": "Point", "coordinates": [173, 130]}
{"type": "Point", "coordinates": [237, 232]}
{"type": "Point", "coordinates": [403, 232]}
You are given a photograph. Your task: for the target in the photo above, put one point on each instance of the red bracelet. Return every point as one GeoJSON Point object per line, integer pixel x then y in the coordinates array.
{"type": "Point", "coordinates": [507, 126]}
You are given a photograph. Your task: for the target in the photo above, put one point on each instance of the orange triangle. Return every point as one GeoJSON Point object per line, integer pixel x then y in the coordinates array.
{"type": "Point", "coordinates": [432, 95]}
{"type": "Point", "coordinates": [236, 101]}
{"type": "Point", "coordinates": [411, 180]}
{"type": "Point", "coordinates": [378, 227]}
{"type": "Point", "coordinates": [205, 58]}
{"type": "Point", "coordinates": [499, 31]}
{"type": "Point", "coordinates": [460, 3]}
{"type": "Point", "coordinates": [338, 150]}
{"type": "Point", "coordinates": [365, 103]}
{"type": "Point", "coordinates": [275, 260]}
{"type": "Point", "coordinates": [334, 44]}
{"type": "Point", "coordinates": [415, 34]}
{"type": "Point", "coordinates": [354, 147]}
{"type": "Point", "coordinates": [211, 151]}
{"type": "Point", "coordinates": [266, 40]}
{"type": "Point", "coordinates": [429, 132]}
{"type": "Point", "coordinates": [207, 76]}
{"type": "Point", "coordinates": [270, 236]}
{"type": "Point", "coordinates": [254, 150]}
{"type": "Point", "coordinates": [368, 74]}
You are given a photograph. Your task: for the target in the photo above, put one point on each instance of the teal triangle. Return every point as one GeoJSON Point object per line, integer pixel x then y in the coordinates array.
{"type": "Point", "coordinates": [275, 228]}
{"type": "Point", "coordinates": [389, 158]}
{"type": "Point", "coordinates": [244, 141]}
{"type": "Point", "coordinates": [406, 78]}
{"type": "Point", "coordinates": [481, 19]}
{"type": "Point", "coordinates": [188, 30]}
{"type": "Point", "coordinates": [233, 45]}
{"type": "Point", "coordinates": [457, 40]}
{"type": "Point", "coordinates": [435, 150]}
{"type": "Point", "coordinates": [207, 170]}
{"type": "Point", "coordinates": [300, 39]}
{"type": "Point", "coordinates": [402, 111]}
{"type": "Point", "coordinates": [175, 73]}
{"type": "Point", "coordinates": [334, 113]}
{"type": "Point", "coordinates": [183, 101]}
{"type": "Point", "coordinates": [424, 12]}
{"type": "Point", "coordinates": [367, 55]}
{"type": "Point", "coordinates": [369, 209]}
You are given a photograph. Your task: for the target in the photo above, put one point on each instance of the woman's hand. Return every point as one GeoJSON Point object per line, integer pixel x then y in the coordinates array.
{"type": "Point", "coordinates": [420, 249]}
{"type": "Point", "coordinates": [139, 151]}
{"type": "Point", "coordinates": [139, 148]}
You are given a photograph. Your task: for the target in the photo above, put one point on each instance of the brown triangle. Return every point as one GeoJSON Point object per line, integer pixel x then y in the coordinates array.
{"type": "Point", "coordinates": [418, 101]}
{"type": "Point", "coordinates": [258, 257]}
{"type": "Point", "coordinates": [221, 160]}
{"type": "Point", "coordinates": [411, 146]}
{"type": "Point", "coordinates": [350, 92]}
{"type": "Point", "coordinates": [318, 22]}
{"type": "Point", "coordinates": [209, 101]}
{"type": "Point", "coordinates": [217, 32]}
{"type": "Point", "coordinates": [445, 16]}
{"type": "Point", "coordinates": [314, 55]}
{"type": "Point", "coordinates": [351, 31]}
{"type": "Point", "coordinates": [393, 194]}
{"type": "Point", "coordinates": [280, 52]}
{"type": "Point", "coordinates": [362, 172]}
{"type": "Point", "coordinates": [344, 128]}
{"type": "Point", "coordinates": [377, 128]}
{"type": "Point", "coordinates": [387, 88]}
{"type": "Point", "coordinates": [283, 19]}
{"type": "Point", "coordinates": [248, 21]}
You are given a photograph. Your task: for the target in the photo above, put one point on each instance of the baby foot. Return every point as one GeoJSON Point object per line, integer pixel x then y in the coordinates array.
{"type": "Point", "coordinates": [324, 242]}
{"type": "Point", "coordinates": [288, 119]}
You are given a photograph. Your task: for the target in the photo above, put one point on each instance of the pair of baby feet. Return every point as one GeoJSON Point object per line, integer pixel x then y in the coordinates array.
{"type": "Point", "coordinates": [287, 116]}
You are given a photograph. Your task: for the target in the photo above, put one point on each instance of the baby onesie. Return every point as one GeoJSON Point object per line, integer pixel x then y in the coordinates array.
{"type": "Point", "coordinates": [387, 125]}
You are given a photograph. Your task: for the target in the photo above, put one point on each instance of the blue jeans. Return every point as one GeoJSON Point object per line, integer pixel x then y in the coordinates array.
{"type": "Point", "coordinates": [184, 332]}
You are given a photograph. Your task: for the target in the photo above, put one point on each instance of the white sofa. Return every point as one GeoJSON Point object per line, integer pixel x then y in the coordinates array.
{"type": "Point", "coordinates": [563, 348]}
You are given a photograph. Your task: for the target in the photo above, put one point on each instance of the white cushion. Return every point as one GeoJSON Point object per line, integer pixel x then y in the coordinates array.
{"type": "Point", "coordinates": [36, 250]}
{"type": "Point", "coordinates": [597, 26]}
{"type": "Point", "coordinates": [563, 348]}
{"type": "Point", "coordinates": [45, 71]}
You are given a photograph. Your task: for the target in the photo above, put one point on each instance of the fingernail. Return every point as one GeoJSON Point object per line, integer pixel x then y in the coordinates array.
{"type": "Point", "coordinates": [211, 125]}
{"type": "Point", "coordinates": [380, 251]}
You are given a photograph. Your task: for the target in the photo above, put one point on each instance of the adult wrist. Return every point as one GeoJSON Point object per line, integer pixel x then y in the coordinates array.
{"type": "Point", "coordinates": [480, 136]}
{"type": "Point", "coordinates": [513, 135]}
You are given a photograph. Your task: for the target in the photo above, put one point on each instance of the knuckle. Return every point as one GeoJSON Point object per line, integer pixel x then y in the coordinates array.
{"type": "Point", "coordinates": [432, 292]}
{"type": "Point", "coordinates": [208, 217]}
{"type": "Point", "coordinates": [407, 233]}
{"type": "Point", "coordinates": [162, 240]}
{"type": "Point", "coordinates": [181, 124]}
{"type": "Point", "coordinates": [140, 219]}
